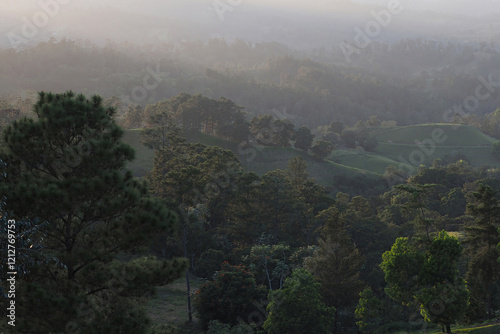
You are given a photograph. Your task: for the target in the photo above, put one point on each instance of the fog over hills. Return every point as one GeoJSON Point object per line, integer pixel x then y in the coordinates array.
{"type": "Point", "coordinates": [457, 7]}
{"type": "Point", "coordinates": [298, 24]}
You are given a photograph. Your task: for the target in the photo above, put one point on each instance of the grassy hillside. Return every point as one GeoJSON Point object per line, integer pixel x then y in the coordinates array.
{"type": "Point", "coordinates": [424, 143]}
{"type": "Point", "coordinates": [144, 156]}
{"type": "Point", "coordinates": [344, 162]}
{"type": "Point", "coordinates": [143, 161]}
{"type": "Point", "coordinates": [267, 159]}
{"type": "Point", "coordinates": [456, 135]}
{"type": "Point", "coordinates": [360, 159]}
{"type": "Point", "coordinates": [405, 147]}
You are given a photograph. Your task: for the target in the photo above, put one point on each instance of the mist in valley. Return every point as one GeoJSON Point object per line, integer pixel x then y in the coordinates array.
{"type": "Point", "coordinates": [284, 146]}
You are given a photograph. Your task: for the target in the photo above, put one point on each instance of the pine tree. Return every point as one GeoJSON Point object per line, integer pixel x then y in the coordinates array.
{"type": "Point", "coordinates": [188, 176]}
{"type": "Point", "coordinates": [336, 264]}
{"type": "Point", "coordinates": [482, 238]}
{"type": "Point", "coordinates": [160, 131]}
{"type": "Point", "coordinates": [133, 117]}
{"type": "Point", "coordinates": [65, 171]}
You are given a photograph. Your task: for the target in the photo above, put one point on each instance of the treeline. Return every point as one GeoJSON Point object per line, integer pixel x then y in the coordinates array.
{"type": "Point", "coordinates": [488, 124]}
{"type": "Point", "coordinates": [224, 119]}
{"type": "Point", "coordinates": [408, 56]}
{"type": "Point", "coordinates": [260, 77]}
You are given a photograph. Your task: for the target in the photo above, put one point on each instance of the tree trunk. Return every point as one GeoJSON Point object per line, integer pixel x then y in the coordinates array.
{"type": "Point", "coordinates": [188, 286]}
{"type": "Point", "coordinates": [448, 329]}
{"type": "Point", "coordinates": [268, 277]}
{"type": "Point", "coordinates": [190, 313]}
{"type": "Point", "coordinates": [184, 244]}
{"type": "Point", "coordinates": [335, 320]}
{"type": "Point", "coordinates": [490, 306]}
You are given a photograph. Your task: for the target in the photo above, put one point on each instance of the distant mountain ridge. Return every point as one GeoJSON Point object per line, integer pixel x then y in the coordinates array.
{"type": "Point", "coordinates": [302, 27]}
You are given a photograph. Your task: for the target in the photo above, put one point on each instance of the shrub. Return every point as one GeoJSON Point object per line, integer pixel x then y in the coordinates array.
{"type": "Point", "coordinates": [230, 298]}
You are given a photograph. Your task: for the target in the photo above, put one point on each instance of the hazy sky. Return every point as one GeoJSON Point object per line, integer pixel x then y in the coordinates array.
{"type": "Point", "coordinates": [286, 21]}
{"type": "Point", "coordinates": [466, 7]}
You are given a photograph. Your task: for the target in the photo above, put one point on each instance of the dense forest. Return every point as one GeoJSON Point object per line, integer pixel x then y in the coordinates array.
{"type": "Point", "coordinates": [267, 76]}
{"type": "Point", "coordinates": [268, 235]}
{"type": "Point", "coordinates": [221, 186]}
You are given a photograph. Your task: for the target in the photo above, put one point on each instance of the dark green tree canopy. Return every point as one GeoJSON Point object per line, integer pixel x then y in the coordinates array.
{"type": "Point", "coordinates": [65, 171]}
{"type": "Point", "coordinates": [303, 139]}
{"type": "Point", "coordinates": [297, 308]}
{"type": "Point", "coordinates": [230, 297]}
{"type": "Point", "coordinates": [428, 277]}
{"type": "Point", "coordinates": [482, 237]}
{"type": "Point", "coordinates": [322, 149]}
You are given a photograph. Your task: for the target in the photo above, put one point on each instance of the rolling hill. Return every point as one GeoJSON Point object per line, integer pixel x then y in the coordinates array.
{"type": "Point", "coordinates": [267, 159]}
{"type": "Point", "coordinates": [404, 147]}
{"type": "Point", "coordinates": [422, 144]}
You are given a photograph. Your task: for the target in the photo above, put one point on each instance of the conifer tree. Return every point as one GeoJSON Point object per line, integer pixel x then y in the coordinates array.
{"type": "Point", "coordinates": [65, 171]}
{"type": "Point", "coordinates": [336, 264]}
{"type": "Point", "coordinates": [482, 238]}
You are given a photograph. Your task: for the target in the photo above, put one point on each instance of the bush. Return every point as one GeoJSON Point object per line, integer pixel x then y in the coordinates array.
{"type": "Point", "coordinates": [298, 308]}
{"type": "Point", "coordinates": [208, 263]}
{"type": "Point", "coordinates": [349, 138]}
{"type": "Point", "coordinates": [368, 143]}
{"type": "Point", "coordinates": [322, 149]}
{"type": "Point", "coordinates": [215, 327]}
{"type": "Point", "coordinates": [230, 297]}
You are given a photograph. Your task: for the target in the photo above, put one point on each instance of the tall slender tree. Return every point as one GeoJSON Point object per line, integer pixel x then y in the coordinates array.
{"type": "Point", "coordinates": [336, 264]}
{"type": "Point", "coordinates": [188, 177]}
{"type": "Point", "coordinates": [160, 131]}
{"type": "Point", "coordinates": [65, 171]}
{"type": "Point", "coordinates": [482, 238]}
